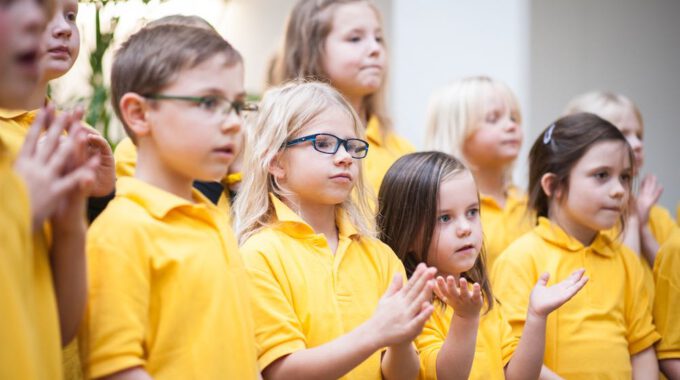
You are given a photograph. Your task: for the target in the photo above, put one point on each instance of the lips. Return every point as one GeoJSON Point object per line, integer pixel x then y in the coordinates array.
{"type": "Point", "coordinates": [342, 177]}
{"type": "Point", "coordinates": [465, 247]}
{"type": "Point", "coordinates": [225, 150]}
{"type": "Point", "coordinates": [28, 60]}
{"type": "Point", "coordinates": [59, 50]}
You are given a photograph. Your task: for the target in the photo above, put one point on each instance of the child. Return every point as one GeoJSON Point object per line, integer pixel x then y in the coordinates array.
{"type": "Point", "coordinates": [433, 197]}
{"type": "Point", "coordinates": [309, 246]}
{"type": "Point", "coordinates": [342, 42]}
{"type": "Point", "coordinates": [220, 193]}
{"type": "Point", "coordinates": [666, 306]}
{"type": "Point", "coordinates": [580, 174]}
{"type": "Point", "coordinates": [168, 295]}
{"type": "Point", "coordinates": [478, 120]}
{"type": "Point", "coordinates": [649, 225]}
{"type": "Point", "coordinates": [48, 182]}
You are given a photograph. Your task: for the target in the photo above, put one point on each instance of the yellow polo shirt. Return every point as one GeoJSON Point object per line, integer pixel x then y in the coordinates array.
{"type": "Point", "coordinates": [661, 223]}
{"type": "Point", "coordinates": [493, 350]}
{"type": "Point", "coordinates": [667, 298]}
{"type": "Point", "coordinates": [596, 332]}
{"type": "Point", "coordinates": [14, 125]}
{"type": "Point", "coordinates": [30, 342]}
{"type": "Point", "coordinates": [125, 156]}
{"type": "Point", "coordinates": [168, 290]}
{"type": "Point", "coordinates": [502, 225]}
{"type": "Point", "coordinates": [383, 150]}
{"type": "Point", "coordinates": [304, 295]}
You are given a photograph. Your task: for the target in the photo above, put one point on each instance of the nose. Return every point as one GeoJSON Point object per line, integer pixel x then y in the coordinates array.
{"type": "Point", "coordinates": [59, 27]}
{"type": "Point", "coordinates": [342, 156]}
{"type": "Point", "coordinates": [463, 228]}
{"type": "Point", "coordinates": [375, 47]}
{"type": "Point", "coordinates": [232, 123]}
{"type": "Point", "coordinates": [618, 189]}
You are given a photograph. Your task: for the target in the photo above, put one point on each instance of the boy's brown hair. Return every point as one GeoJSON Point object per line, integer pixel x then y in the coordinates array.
{"type": "Point", "coordinates": [152, 58]}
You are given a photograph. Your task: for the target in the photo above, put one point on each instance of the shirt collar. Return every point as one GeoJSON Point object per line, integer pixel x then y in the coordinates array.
{"type": "Point", "coordinates": [17, 114]}
{"type": "Point", "coordinates": [155, 200]}
{"type": "Point", "coordinates": [555, 235]}
{"type": "Point", "coordinates": [292, 224]}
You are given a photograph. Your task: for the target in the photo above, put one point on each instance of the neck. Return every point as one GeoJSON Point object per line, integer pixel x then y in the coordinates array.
{"type": "Point", "coordinates": [37, 98]}
{"type": "Point", "coordinates": [152, 170]}
{"type": "Point", "coordinates": [491, 182]}
{"type": "Point", "coordinates": [574, 229]}
{"type": "Point", "coordinates": [357, 103]}
{"type": "Point", "coordinates": [320, 217]}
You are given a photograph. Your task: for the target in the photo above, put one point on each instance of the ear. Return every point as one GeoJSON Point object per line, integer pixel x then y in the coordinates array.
{"type": "Point", "coordinates": [548, 184]}
{"type": "Point", "coordinates": [133, 109]}
{"type": "Point", "coordinates": [276, 167]}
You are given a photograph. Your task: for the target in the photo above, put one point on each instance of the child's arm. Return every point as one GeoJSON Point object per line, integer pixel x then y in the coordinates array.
{"type": "Point", "coordinates": [527, 361]}
{"type": "Point", "coordinates": [454, 359]}
{"type": "Point", "coordinates": [67, 254]}
{"type": "Point", "coordinates": [645, 365]}
{"type": "Point", "coordinates": [670, 368]}
{"type": "Point", "coordinates": [648, 195]}
{"type": "Point", "coordinates": [136, 373]}
{"type": "Point", "coordinates": [398, 318]}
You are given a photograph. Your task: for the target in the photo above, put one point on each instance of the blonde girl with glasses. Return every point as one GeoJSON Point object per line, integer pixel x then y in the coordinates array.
{"type": "Point", "coordinates": [330, 300]}
{"type": "Point", "coordinates": [342, 42]}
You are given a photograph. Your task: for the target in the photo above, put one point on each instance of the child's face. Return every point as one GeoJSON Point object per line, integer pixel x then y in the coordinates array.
{"type": "Point", "coordinates": [629, 125]}
{"type": "Point", "coordinates": [598, 190]}
{"type": "Point", "coordinates": [21, 25]}
{"type": "Point", "coordinates": [315, 178]}
{"type": "Point", "coordinates": [61, 40]}
{"type": "Point", "coordinates": [498, 137]}
{"type": "Point", "coordinates": [353, 53]}
{"type": "Point", "coordinates": [198, 140]}
{"type": "Point", "coordinates": [457, 236]}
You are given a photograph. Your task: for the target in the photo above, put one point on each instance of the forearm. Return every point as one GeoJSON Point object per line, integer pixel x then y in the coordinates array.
{"type": "Point", "coordinates": [670, 368]}
{"type": "Point", "coordinates": [400, 362]}
{"type": "Point", "coordinates": [70, 279]}
{"type": "Point", "coordinates": [328, 361]}
{"type": "Point", "coordinates": [648, 245]}
{"type": "Point", "coordinates": [527, 360]}
{"type": "Point", "coordinates": [136, 373]}
{"type": "Point", "coordinates": [454, 360]}
{"type": "Point", "coordinates": [645, 365]}
{"type": "Point", "coordinates": [631, 235]}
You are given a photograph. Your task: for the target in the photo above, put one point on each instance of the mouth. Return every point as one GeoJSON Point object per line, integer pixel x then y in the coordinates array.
{"type": "Point", "coordinates": [465, 248]}
{"type": "Point", "coordinates": [28, 61]}
{"type": "Point", "coordinates": [59, 50]}
{"type": "Point", "coordinates": [226, 150]}
{"type": "Point", "coordinates": [612, 209]}
{"type": "Point", "coordinates": [343, 177]}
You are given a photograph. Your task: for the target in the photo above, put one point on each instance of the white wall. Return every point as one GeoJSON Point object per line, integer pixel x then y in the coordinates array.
{"type": "Point", "coordinates": [628, 46]}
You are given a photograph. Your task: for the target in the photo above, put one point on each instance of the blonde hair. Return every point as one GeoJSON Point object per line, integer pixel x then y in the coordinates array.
{"type": "Point", "coordinates": [454, 112]}
{"type": "Point", "coordinates": [301, 52]}
{"type": "Point", "coordinates": [607, 105]}
{"type": "Point", "coordinates": [284, 112]}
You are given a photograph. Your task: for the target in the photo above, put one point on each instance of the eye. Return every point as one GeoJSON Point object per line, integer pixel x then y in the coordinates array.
{"type": "Point", "coordinates": [354, 38]}
{"type": "Point", "coordinates": [71, 16]}
{"type": "Point", "coordinates": [379, 39]}
{"type": "Point", "coordinates": [626, 177]}
{"type": "Point", "coordinates": [209, 102]}
{"type": "Point", "coordinates": [601, 175]}
{"type": "Point", "coordinates": [472, 213]}
{"type": "Point", "coordinates": [444, 218]}
{"type": "Point", "coordinates": [492, 117]}
{"type": "Point", "coordinates": [323, 142]}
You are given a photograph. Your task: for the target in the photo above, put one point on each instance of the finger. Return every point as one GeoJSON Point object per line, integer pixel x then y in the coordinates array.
{"type": "Point", "coordinates": [414, 277]}
{"type": "Point", "coordinates": [577, 274]}
{"type": "Point", "coordinates": [395, 285]}
{"type": "Point", "coordinates": [453, 287]}
{"type": "Point", "coordinates": [419, 286]}
{"type": "Point", "coordinates": [31, 141]}
{"type": "Point", "coordinates": [440, 289]}
{"type": "Point", "coordinates": [476, 293]}
{"type": "Point", "coordinates": [575, 288]}
{"type": "Point", "coordinates": [51, 140]}
{"type": "Point", "coordinates": [543, 279]}
{"type": "Point", "coordinates": [425, 295]}
{"type": "Point", "coordinates": [422, 317]}
{"type": "Point", "coordinates": [56, 162]}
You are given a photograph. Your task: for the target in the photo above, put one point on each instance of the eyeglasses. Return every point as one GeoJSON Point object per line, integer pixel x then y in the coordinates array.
{"type": "Point", "coordinates": [329, 144]}
{"type": "Point", "coordinates": [215, 104]}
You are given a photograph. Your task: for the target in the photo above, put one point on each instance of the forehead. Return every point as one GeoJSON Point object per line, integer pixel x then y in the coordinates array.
{"type": "Point", "coordinates": [334, 120]}
{"type": "Point", "coordinates": [212, 73]}
{"type": "Point", "coordinates": [458, 190]}
{"type": "Point", "coordinates": [613, 154]}
{"type": "Point", "coordinates": [355, 15]}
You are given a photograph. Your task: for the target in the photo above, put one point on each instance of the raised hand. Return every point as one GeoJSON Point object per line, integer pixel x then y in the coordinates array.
{"type": "Point", "coordinates": [545, 299]}
{"type": "Point", "coordinates": [648, 194]}
{"type": "Point", "coordinates": [403, 309]}
{"type": "Point", "coordinates": [466, 303]}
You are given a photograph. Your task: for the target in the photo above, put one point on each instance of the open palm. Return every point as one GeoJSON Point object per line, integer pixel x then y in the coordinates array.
{"type": "Point", "coordinates": [545, 299]}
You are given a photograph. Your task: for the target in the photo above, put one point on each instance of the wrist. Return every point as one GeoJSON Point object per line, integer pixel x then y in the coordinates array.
{"type": "Point", "coordinates": [368, 335]}
{"type": "Point", "coordinates": [535, 317]}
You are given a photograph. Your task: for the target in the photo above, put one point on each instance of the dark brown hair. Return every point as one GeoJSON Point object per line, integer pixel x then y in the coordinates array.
{"type": "Point", "coordinates": [560, 147]}
{"type": "Point", "coordinates": [152, 58]}
{"type": "Point", "coordinates": [408, 207]}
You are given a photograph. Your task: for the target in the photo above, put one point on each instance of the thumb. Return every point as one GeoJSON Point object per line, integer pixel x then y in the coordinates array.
{"type": "Point", "coordinates": [396, 284]}
{"type": "Point", "coordinates": [543, 279]}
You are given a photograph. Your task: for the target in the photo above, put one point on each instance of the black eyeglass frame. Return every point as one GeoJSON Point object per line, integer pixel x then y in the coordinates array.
{"type": "Point", "coordinates": [340, 142]}
{"type": "Point", "coordinates": [237, 106]}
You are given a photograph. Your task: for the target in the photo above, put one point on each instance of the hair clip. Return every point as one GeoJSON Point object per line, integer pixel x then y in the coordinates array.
{"type": "Point", "coordinates": [547, 136]}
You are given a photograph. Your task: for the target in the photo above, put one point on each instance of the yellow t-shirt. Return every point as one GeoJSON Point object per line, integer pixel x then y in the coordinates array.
{"type": "Point", "coordinates": [125, 157]}
{"type": "Point", "coordinates": [168, 290]}
{"type": "Point", "coordinates": [667, 298]}
{"type": "Point", "coordinates": [595, 334]}
{"type": "Point", "coordinates": [383, 150]}
{"type": "Point", "coordinates": [661, 223]}
{"type": "Point", "coordinates": [30, 343]}
{"type": "Point", "coordinates": [493, 350]}
{"type": "Point", "coordinates": [502, 225]}
{"type": "Point", "coordinates": [304, 295]}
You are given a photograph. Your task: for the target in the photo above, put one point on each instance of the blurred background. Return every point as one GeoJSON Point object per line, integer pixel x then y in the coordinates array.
{"type": "Point", "coordinates": [546, 51]}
